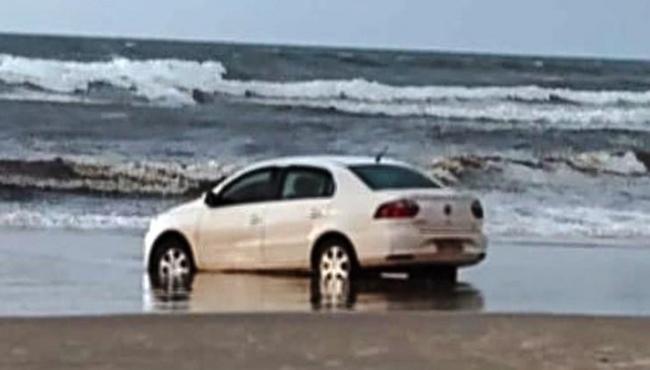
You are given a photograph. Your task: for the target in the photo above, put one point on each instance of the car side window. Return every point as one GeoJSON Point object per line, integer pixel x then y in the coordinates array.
{"type": "Point", "coordinates": [256, 186]}
{"type": "Point", "coordinates": [302, 183]}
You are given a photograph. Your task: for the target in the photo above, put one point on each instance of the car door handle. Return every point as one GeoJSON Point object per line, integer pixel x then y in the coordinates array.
{"type": "Point", "coordinates": [315, 213]}
{"type": "Point", "coordinates": [255, 220]}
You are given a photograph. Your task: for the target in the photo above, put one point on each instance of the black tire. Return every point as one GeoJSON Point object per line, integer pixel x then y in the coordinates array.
{"type": "Point", "coordinates": [334, 268]}
{"type": "Point", "coordinates": [335, 257]}
{"type": "Point", "coordinates": [171, 265]}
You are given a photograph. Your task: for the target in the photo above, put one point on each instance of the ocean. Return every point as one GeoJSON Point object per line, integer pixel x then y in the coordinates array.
{"type": "Point", "coordinates": [105, 133]}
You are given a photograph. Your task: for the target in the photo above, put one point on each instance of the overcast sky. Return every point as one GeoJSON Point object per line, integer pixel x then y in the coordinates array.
{"type": "Point", "coordinates": [566, 27]}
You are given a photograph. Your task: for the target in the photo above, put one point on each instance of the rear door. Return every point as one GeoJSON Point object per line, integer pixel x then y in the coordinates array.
{"type": "Point", "coordinates": [230, 234]}
{"type": "Point", "coordinates": [305, 198]}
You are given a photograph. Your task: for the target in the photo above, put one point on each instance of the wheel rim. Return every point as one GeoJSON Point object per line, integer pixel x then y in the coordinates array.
{"type": "Point", "coordinates": [335, 269]}
{"type": "Point", "coordinates": [174, 264]}
{"type": "Point", "coordinates": [335, 264]}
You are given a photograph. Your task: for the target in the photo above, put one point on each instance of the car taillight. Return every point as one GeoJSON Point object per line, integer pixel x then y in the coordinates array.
{"type": "Point", "coordinates": [477, 209]}
{"type": "Point", "coordinates": [403, 208]}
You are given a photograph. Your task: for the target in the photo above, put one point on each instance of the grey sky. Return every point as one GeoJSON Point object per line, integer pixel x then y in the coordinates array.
{"type": "Point", "coordinates": [568, 27]}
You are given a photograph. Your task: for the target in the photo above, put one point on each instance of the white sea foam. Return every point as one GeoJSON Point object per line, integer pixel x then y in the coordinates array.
{"type": "Point", "coordinates": [167, 80]}
{"type": "Point", "coordinates": [509, 217]}
{"type": "Point", "coordinates": [26, 95]}
{"type": "Point", "coordinates": [617, 163]}
{"type": "Point", "coordinates": [26, 218]}
{"type": "Point", "coordinates": [370, 91]}
{"type": "Point", "coordinates": [556, 116]}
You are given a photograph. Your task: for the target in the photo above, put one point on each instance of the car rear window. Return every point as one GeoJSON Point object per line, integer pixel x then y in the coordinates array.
{"type": "Point", "coordinates": [386, 176]}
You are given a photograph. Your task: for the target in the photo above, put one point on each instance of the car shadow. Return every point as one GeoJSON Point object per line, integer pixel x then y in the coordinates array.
{"type": "Point", "coordinates": [254, 292]}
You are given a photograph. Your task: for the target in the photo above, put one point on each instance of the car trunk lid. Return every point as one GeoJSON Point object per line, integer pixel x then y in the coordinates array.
{"type": "Point", "coordinates": [441, 210]}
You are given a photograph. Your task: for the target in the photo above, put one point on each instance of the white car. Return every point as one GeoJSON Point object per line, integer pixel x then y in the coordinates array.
{"type": "Point", "coordinates": [332, 215]}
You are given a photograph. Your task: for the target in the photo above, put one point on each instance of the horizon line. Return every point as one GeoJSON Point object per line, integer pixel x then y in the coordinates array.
{"type": "Point", "coordinates": [385, 48]}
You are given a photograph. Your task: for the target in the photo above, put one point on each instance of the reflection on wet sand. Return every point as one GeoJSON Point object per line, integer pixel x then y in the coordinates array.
{"type": "Point", "coordinates": [212, 292]}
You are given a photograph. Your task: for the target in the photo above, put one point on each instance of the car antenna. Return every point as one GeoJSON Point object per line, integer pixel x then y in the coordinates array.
{"type": "Point", "coordinates": [381, 154]}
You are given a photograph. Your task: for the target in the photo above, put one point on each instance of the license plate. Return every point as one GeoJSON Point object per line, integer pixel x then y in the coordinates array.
{"type": "Point", "coordinates": [449, 247]}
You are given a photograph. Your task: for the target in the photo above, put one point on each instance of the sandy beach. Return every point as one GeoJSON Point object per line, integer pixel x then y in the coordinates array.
{"type": "Point", "coordinates": [348, 341]}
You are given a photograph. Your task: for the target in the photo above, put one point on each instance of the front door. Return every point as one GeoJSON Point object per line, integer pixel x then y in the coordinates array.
{"type": "Point", "coordinates": [231, 232]}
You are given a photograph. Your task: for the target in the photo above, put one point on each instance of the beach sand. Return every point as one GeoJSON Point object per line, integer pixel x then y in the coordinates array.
{"type": "Point", "coordinates": [347, 341]}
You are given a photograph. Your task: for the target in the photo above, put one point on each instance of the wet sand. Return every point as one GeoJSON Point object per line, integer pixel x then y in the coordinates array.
{"type": "Point", "coordinates": [350, 341]}
{"type": "Point", "coordinates": [270, 322]}
{"type": "Point", "coordinates": [45, 273]}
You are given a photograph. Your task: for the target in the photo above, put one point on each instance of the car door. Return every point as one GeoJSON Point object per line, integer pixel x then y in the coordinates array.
{"type": "Point", "coordinates": [305, 197]}
{"type": "Point", "coordinates": [231, 230]}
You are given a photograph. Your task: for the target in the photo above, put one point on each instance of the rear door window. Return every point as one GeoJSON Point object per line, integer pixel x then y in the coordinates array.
{"type": "Point", "coordinates": [387, 176]}
{"type": "Point", "coordinates": [304, 183]}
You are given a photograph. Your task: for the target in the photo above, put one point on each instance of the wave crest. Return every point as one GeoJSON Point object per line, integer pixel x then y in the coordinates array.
{"type": "Point", "coordinates": [88, 175]}
{"type": "Point", "coordinates": [93, 175]}
{"type": "Point", "coordinates": [164, 80]}
{"type": "Point", "coordinates": [453, 169]}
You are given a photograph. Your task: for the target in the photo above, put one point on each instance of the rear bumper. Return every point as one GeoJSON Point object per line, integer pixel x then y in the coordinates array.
{"type": "Point", "coordinates": [432, 258]}
{"type": "Point", "coordinates": [405, 246]}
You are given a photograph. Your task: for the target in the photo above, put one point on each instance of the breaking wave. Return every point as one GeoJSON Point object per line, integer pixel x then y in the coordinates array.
{"type": "Point", "coordinates": [94, 175]}
{"type": "Point", "coordinates": [182, 82]}
{"type": "Point", "coordinates": [89, 175]}
{"type": "Point", "coordinates": [625, 164]}
{"type": "Point", "coordinates": [512, 186]}
{"type": "Point", "coordinates": [565, 116]}
{"type": "Point", "coordinates": [581, 174]}
{"type": "Point", "coordinates": [591, 195]}
{"type": "Point", "coordinates": [166, 80]}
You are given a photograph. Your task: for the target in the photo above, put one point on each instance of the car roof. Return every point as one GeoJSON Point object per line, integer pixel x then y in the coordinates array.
{"type": "Point", "coordinates": [325, 161]}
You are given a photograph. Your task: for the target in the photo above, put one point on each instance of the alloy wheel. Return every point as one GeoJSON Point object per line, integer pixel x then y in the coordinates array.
{"type": "Point", "coordinates": [174, 265]}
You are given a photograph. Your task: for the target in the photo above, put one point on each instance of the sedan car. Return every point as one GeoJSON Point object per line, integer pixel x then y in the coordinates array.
{"type": "Point", "coordinates": [332, 215]}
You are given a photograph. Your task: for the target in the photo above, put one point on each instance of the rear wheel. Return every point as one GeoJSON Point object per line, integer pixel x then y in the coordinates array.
{"type": "Point", "coordinates": [335, 260]}
{"type": "Point", "coordinates": [334, 266]}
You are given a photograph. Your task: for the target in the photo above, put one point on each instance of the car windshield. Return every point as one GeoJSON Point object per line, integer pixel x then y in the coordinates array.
{"type": "Point", "coordinates": [386, 176]}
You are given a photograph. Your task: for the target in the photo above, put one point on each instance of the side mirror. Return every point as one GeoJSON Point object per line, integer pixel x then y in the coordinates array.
{"type": "Point", "coordinates": [212, 199]}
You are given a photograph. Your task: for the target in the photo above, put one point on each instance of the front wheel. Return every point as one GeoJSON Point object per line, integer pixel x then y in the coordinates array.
{"type": "Point", "coordinates": [171, 265]}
